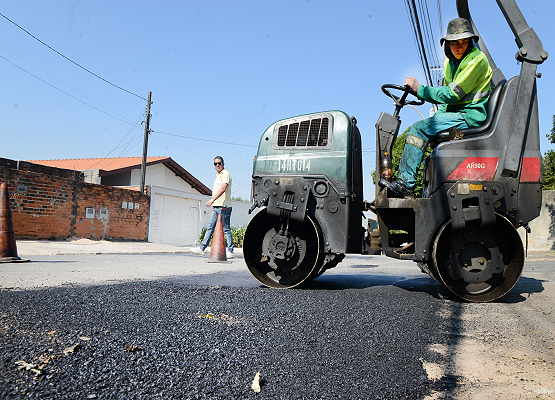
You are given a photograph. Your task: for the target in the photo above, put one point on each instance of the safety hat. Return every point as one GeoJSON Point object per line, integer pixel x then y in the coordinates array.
{"type": "Point", "coordinates": [457, 29]}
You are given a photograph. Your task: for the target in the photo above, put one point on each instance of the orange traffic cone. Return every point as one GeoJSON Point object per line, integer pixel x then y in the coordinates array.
{"type": "Point", "coordinates": [217, 251]}
{"type": "Point", "coordinates": [8, 249]}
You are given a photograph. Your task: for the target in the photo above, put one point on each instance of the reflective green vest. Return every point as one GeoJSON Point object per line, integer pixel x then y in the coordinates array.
{"type": "Point", "coordinates": [471, 85]}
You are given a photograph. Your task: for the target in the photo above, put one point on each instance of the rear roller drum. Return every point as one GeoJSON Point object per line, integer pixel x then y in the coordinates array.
{"type": "Point", "coordinates": [478, 265]}
{"type": "Point", "coordinates": [281, 259]}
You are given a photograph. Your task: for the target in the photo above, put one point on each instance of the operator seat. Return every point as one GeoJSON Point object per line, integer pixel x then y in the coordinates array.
{"type": "Point", "coordinates": [491, 108]}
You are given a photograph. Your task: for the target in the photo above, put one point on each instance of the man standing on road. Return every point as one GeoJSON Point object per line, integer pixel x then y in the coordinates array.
{"type": "Point", "coordinates": [221, 205]}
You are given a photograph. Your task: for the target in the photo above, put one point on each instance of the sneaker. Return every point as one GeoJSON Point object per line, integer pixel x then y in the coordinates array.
{"type": "Point", "coordinates": [398, 188]}
{"type": "Point", "coordinates": [229, 254]}
{"type": "Point", "coordinates": [197, 250]}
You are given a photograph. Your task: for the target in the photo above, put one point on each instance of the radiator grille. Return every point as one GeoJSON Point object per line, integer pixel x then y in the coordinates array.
{"type": "Point", "coordinates": [308, 133]}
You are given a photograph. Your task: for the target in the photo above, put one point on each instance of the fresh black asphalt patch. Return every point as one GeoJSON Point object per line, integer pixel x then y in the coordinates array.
{"type": "Point", "coordinates": [164, 339]}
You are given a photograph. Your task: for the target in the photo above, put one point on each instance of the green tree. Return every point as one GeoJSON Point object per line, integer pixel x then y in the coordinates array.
{"type": "Point", "coordinates": [549, 162]}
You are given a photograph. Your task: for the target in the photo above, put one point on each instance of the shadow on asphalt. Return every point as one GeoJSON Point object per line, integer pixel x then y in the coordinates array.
{"type": "Point", "coordinates": [522, 290]}
{"type": "Point", "coordinates": [359, 281]}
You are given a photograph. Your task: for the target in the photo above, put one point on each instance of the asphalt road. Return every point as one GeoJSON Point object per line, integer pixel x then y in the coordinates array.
{"type": "Point", "coordinates": [175, 326]}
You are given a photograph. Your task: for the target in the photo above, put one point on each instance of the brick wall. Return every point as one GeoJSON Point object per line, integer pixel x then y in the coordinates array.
{"type": "Point", "coordinates": [51, 202]}
{"type": "Point", "coordinates": [111, 220]}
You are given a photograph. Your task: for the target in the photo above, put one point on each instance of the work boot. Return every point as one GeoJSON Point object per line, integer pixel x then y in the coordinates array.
{"type": "Point", "coordinates": [397, 189]}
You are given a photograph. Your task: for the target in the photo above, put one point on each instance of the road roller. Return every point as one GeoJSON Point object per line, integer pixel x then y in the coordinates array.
{"type": "Point", "coordinates": [307, 188]}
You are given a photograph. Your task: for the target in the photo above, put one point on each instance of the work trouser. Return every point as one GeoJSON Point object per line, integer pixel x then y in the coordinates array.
{"type": "Point", "coordinates": [416, 142]}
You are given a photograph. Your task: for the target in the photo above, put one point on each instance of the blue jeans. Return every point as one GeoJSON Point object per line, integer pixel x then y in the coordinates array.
{"type": "Point", "coordinates": [422, 132]}
{"type": "Point", "coordinates": [226, 220]}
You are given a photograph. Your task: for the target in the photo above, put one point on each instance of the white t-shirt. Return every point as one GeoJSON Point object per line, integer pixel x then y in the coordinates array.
{"type": "Point", "coordinates": [225, 199]}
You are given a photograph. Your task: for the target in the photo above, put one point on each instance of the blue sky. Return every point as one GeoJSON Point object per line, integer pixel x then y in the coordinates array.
{"type": "Point", "coordinates": [219, 71]}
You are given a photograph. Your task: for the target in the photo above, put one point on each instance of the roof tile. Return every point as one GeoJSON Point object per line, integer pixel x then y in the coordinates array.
{"type": "Point", "coordinates": [105, 164]}
{"type": "Point", "coordinates": [114, 164]}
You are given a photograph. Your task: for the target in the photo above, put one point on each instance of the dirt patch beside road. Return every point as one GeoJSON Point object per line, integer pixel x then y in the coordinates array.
{"type": "Point", "coordinates": [503, 350]}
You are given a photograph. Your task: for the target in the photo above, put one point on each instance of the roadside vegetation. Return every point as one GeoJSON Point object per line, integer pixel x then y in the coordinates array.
{"type": "Point", "coordinates": [238, 233]}
{"type": "Point", "coordinates": [549, 162]}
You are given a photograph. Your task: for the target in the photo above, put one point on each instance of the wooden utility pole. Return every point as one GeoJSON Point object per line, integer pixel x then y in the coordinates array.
{"type": "Point", "coordinates": [145, 142]}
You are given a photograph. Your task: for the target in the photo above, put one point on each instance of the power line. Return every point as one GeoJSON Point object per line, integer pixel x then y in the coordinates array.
{"type": "Point", "coordinates": [422, 40]}
{"type": "Point", "coordinates": [429, 38]}
{"type": "Point", "coordinates": [60, 90]}
{"type": "Point", "coordinates": [242, 180]}
{"type": "Point", "coordinates": [241, 187]}
{"type": "Point", "coordinates": [136, 123]}
{"type": "Point", "coordinates": [53, 77]}
{"type": "Point", "coordinates": [414, 32]}
{"type": "Point", "coordinates": [439, 17]}
{"type": "Point", "coordinates": [204, 140]}
{"type": "Point", "coordinates": [244, 186]}
{"type": "Point", "coordinates": [422, 48]}
{"type": "Point", "coordinates": [137, 141]}
{"type": "Point", "coordinates": [80, 66]}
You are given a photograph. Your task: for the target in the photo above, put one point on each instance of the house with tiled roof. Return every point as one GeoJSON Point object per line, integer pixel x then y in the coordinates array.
{"type": "Point", "coordinates": [126, 172]}
{"type": "Point", "coordinates": [177, 199]}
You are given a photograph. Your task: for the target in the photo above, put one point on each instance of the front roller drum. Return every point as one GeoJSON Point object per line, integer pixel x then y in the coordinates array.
{"type": "Point", "coordinates": [281, 259]}
{"type": "Point", "coordinates": [478, 266]}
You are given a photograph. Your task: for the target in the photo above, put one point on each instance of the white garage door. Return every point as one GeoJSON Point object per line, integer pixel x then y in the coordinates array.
{"type": "Point", "coordinates": [174, 220]}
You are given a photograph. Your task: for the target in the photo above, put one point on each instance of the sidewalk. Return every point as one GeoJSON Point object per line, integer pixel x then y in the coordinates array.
{"type": "Point", "coordinates": [28, 248]}
{"type": "Point", "coordinates": [75, 263]}
{"type": "Point", "coordinates": [92, 262]}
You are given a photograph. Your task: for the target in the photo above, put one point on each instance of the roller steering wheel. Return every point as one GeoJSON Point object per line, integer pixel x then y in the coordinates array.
{"type": "Point", "coordinates": [400, 102]}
